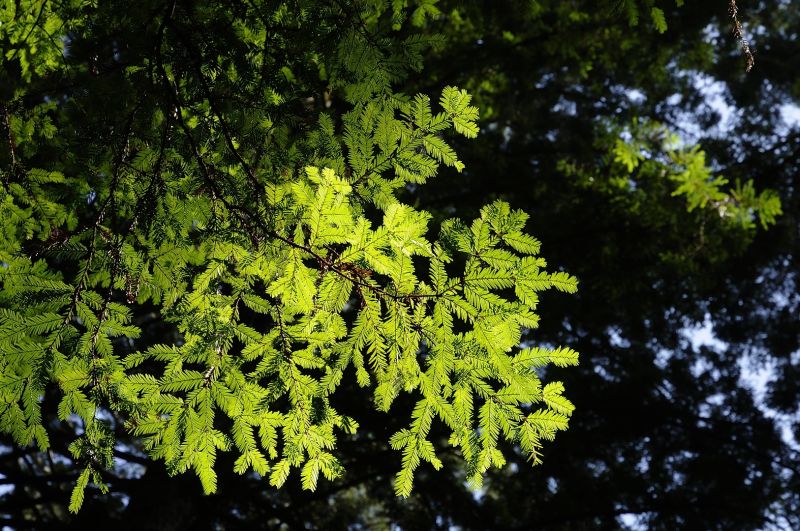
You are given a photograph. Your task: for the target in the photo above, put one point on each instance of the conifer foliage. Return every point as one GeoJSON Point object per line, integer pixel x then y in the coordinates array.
{"type": "Point", "coordinates": [237, 170]}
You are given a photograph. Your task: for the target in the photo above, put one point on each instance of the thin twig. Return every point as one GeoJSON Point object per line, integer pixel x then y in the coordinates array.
{"type": "Point", "coordinates": [738, 33]}
{"type": "Point", "coordinates": [12, 146]}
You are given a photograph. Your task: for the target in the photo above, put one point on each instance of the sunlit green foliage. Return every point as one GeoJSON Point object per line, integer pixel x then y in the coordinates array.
{"type": "Point", "coordinates": [269, 234]}
{"type": "Point", "coordinates": [241, 176]}
{"type": "Point", "coordinates": [694, 179]}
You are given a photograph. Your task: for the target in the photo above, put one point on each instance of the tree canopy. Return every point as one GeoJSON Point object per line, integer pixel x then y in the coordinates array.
{"type": "Point", "coordinates": [271, 264]}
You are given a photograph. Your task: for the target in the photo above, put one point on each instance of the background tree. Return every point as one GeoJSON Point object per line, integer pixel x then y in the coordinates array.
{"type": "Point", "coordinates": [665, 430]}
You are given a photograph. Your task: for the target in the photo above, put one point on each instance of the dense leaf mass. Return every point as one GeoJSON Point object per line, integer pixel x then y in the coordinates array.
{"type": "Point", "coordinates": [205, 201]}
{"type": "Point", "coordinates": [267, 243]}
